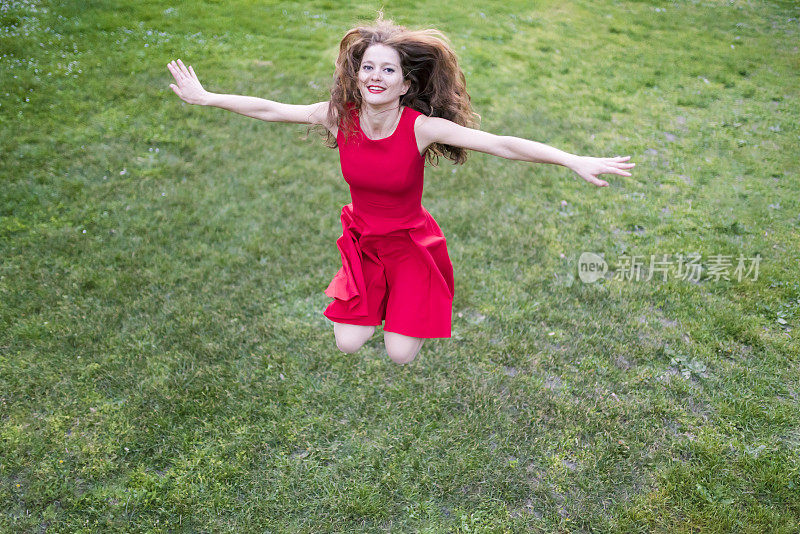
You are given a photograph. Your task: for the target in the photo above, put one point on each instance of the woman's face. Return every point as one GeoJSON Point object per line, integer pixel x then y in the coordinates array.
{"type": "Point", "coordinates": [380, 78]}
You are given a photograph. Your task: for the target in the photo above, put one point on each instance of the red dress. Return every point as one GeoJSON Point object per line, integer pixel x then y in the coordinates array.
{"type": "Point", "coordinates": [395, 265]}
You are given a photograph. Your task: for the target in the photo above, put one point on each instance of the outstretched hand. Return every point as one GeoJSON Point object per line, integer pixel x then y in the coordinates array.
{"type": "Point", "coordinates": [590, 168]}
{"type": "Point", "coordinates": [188, 89]}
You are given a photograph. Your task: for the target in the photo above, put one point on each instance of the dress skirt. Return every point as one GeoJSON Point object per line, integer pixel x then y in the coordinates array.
{"type": "Point", "coordinates": [393, 270]}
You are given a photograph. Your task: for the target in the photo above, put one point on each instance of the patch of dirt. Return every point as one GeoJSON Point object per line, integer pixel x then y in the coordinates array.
{"type": "Point", "coordinates": [668, 323]}
{"type": "Point", "coordinates": [528, 508]}
{"type": "Point", "coordinates": [553, 383]}
{"type": "Point", "coordinates": [622, 362]}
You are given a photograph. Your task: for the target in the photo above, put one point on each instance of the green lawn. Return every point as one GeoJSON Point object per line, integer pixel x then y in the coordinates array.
{"type": "Point", "coordinates": [164, 362]}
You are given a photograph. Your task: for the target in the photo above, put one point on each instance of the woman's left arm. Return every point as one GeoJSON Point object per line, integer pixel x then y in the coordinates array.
{"type": "Point", "coordinates": [438, 130]}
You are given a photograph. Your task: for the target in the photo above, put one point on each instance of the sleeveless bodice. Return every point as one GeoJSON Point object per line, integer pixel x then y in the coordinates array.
{"type": "Point", "coordinates": [386, 175]}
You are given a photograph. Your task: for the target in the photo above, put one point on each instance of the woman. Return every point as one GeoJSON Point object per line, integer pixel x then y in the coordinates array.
{"type": "Point", "coordinates": [398, 98]}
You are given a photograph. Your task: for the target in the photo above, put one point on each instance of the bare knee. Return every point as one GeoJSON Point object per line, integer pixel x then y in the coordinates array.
{"type": "Point", "coordinates": [402, 349]}
{"type": "Point", "coordinates": [351, 337]}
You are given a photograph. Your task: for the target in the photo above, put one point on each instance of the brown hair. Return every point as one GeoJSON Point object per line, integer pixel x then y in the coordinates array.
{"type": "Point", "coordinates": [438, 87]}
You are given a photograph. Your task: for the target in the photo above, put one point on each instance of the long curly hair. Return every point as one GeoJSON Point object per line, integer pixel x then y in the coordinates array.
{"type": "Point", "coordinates": [438, 87]}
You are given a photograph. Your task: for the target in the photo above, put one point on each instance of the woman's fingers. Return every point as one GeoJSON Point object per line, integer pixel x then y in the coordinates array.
{"type": "Point", "coordinates": [184, 70]}
{"type": "Point", "coordinates": [591, 168]}
{"type": "Point", "coordinates": [176, 72]}
{"type": "Point", "coordinates": [181, 74]}
{"type": "Point", "coordinates": [180, 80]}
{"type": "Point", "coordinates": [619, 165]}
{"type": "Point", "coordinates": [592, 179]}
{"type": "Point", "coordinates": [616, 170]}
{"type": "Point", "coordinates": [186, 86]}
{"type": "Point", "coordinates": [620, 160]}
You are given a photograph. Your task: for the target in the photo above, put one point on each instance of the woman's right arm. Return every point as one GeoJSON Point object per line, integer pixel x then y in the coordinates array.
{"type": "Point", "coordinates": [190, 90]}
{"type": "Point", "coordinates": [268, 110]}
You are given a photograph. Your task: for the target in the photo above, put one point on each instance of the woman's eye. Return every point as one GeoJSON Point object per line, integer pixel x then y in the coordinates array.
{"type": "Point", "coordinates": [365, 67]}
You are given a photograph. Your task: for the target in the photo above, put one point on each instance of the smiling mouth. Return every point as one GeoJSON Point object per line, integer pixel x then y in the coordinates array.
{"type": "Point", "coordinates": [375, 89]}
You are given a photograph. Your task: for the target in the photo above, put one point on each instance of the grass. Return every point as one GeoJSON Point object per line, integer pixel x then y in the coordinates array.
{"type": "Point", "coordinates": [164, 363]}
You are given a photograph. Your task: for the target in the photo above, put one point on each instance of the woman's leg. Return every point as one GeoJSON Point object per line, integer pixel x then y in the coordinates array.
{"type": "Point", "coordinates": [351, 337]}
{"type": "Point", "coordinates": [402, 349]}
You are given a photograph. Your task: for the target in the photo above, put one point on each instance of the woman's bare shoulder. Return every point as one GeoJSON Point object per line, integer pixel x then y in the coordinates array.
{"type": "Point", "coordinates": [321, 115]}
{"type": "Point", "coordinates": [425, 128]}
